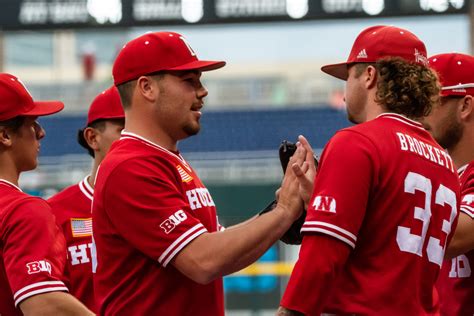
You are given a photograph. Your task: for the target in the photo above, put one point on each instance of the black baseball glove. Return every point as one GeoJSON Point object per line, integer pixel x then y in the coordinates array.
{"type": "Point", "coordinates": [292, 235]}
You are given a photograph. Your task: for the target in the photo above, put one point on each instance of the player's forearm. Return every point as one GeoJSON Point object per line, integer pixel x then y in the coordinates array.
{"type": "Point", "coordinates": [216, 254]}
{"type": "Point", "coordinates": [54, 303]}
{"type": "Point", "coordinates": [463, 238]}
{"type": "Point", "coordinates": [243, 223]}
{"type": "Point", "coordinates": [252, 240]}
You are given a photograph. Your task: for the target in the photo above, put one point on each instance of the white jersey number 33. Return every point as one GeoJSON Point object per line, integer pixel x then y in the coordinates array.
{"type": "Point", "coordinates": [413, 243]}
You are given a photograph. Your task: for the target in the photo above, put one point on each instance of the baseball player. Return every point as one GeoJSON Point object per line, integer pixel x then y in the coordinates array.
{"type": "Point", "coordinates": [32, 249]}
{"type": "Point", "coordinates": [72, 206]}
{"type": "Point", "coordinates": [452, 125]}
{"type": "Point", "coordinates": [385, 199]}
{"type": "Point", "coordinates": [160, 248]}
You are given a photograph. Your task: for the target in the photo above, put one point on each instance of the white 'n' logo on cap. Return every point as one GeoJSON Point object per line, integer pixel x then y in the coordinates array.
{"type": "Point", "coordinates": [420, 58]}
{"type": "Point", "coordinates": [188, 46]}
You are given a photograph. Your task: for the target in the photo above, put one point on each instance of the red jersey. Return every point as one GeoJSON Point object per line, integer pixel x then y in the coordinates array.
{"type": "Point", "coordinates": [148, 205]}
{"type": "Point", "coordinates": [389, 192]}
{"type": "Point", "coordinates": [72, 208]}
{"type": "Point", "coordinates": [456, 281]}
{"type": "Point", "coordinates": [32, 249]}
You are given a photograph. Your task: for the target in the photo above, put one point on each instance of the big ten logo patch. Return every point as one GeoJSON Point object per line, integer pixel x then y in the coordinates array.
{"type": "Point", "coordinates": [324, 204]}
{"type": "Point", "coordinates": [174, 220]}
{"type": "Point", "coordinates": [80, 254]}
{"type": "Point", "coordinates": [198, 198]}
{"type": "Point", "coordinates": [38, 266]}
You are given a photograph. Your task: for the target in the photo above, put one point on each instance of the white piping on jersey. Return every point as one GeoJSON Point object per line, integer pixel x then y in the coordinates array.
{"type": "Point", "coordinates": [339, 229]}
{"type": "Point", "coordinates": [183, 244]}
{"type": "Point", "coordinates": [128, 135]}
{"type": "Point", "coordinates": [467, 210]}
{"type": "Point", "coordinates": [330, 233]}
{"type": "Point", "coordinates": [178, 240]}
{"type": "Point", "coordinates": [459, 86]}
{"type": "Point", "coordinates": [38, 284]}
{"type": "Point", "coordinates": [462, 169]}
{"type": "Point", "coordinates": [44, 290]}
{"type": "Point", "coordinates": [401, 118]}
{"type": "Point", "coordinates": [8, 183]}
{"type": "Point", "coordinates": [86, 188]}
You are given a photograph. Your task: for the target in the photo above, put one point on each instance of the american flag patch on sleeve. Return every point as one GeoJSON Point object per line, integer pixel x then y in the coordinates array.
{"type": "Point", "coordinates": [81, 227]}
{"type": "Point", "coordinates": [185, 177]}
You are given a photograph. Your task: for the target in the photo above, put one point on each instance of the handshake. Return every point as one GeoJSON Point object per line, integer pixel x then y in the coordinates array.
{"type": "Point", "coordinates": [293, 234]}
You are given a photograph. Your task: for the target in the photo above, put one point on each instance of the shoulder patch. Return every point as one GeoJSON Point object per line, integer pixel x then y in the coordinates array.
{"type": "Point", "coordinates": [185, 177]}
{"type": "Point", "coordinates": [324, 204]}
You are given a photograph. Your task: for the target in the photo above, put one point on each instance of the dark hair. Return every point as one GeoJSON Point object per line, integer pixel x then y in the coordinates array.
{"type": "Point", "coordinates": [126, 89]}
{"type": "Point", "coordinates": [14, 123]}
{"type": "Point", "coordinates": [404, 87]}
{"type": "Point", "coordinates": [98, 124]}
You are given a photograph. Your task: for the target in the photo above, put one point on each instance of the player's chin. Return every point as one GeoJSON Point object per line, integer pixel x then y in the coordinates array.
{"type": "Point", "coordinates": [30, 165]}
{"type": "Point", "coordinates": [192, 129]}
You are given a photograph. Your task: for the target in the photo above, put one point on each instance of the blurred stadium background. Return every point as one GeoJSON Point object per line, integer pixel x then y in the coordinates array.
{"type": "Point", "coordinates": [271, 89]}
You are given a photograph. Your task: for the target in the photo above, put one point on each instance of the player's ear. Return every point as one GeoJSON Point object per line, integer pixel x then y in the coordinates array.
{"type": "Point", "coordinates": [5, 136]}
{"type": "Point", "coordinates": [467, 108]}
{"type": "Point", "coordinates": [91, 136]}
{"type": "Point", "coordinates": [148, 88]}
{"type": "Point", "coordinates": [370, 77]}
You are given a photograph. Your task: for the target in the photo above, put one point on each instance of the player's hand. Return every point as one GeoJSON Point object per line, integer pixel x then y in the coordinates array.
{"type": "Point", "coordinates": [305, 172]}
{"type": "Point", "coordinates": [277, 194]}
{"type": "Point", "coordinates": [288, 196]}
{"type": "Point", "coordinates": [282, 311]}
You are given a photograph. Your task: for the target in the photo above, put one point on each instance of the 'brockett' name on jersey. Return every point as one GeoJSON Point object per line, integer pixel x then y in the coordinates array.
{"type": "Point", "coordinates": [419, 147]}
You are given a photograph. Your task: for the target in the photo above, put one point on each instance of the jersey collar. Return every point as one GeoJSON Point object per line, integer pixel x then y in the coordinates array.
{"type": "Point", "coordinates": [128, 135]}
{"type": "Point", "coordinates": [462, 169]}
{"type": "Point", "coordinates": [86, 188]}
{"type": "Point", "coordinates": [401, 118]}
{"type": "Point", "coordinates": [8, 183]}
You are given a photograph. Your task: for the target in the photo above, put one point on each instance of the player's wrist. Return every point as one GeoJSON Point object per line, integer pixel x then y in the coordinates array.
{"type": "Point", "coordinates": [288, 213]}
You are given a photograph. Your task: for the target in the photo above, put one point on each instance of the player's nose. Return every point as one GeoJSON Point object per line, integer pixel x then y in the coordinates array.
{"type": "Point", "coordinates": [202, 92]}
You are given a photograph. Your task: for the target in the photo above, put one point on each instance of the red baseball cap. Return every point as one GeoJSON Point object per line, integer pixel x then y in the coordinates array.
{"type": "Point", "coordinates": [17, 101]}
{"type": "Point", "coordinates": [377, 42]}
{"type": "Point", "coordinates": [159, 51]}
{"type": "Point", "coordinates": [107, 105]}
{"type": "Point", "coordinates": [455, 72]}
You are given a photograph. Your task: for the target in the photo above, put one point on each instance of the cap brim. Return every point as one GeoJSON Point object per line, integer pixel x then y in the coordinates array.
{"type": "Point", "coordinates": [202, 65]}
{"type": "Point", "coordinates": [43, 108]}
{"type": "Point", "coordinates": [336, 70]}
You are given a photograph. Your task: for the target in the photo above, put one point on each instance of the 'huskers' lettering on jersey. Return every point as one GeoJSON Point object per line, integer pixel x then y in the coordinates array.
{"type": "Point", "coordinates": [198, 198]}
